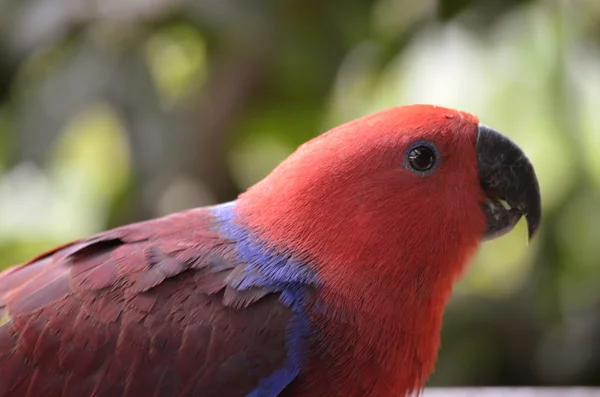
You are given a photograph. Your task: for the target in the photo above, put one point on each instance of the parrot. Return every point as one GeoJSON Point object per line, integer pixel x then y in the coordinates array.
{"type": "Point", "coordinates": [328, 277]}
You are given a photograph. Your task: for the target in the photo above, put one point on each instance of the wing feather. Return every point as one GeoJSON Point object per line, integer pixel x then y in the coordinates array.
{"type": "Point", "coordinates": [142, 310]}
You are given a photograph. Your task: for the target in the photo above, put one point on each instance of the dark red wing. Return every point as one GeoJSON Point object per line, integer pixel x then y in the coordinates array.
{"type": "Point", "coordinates": [142, 310]}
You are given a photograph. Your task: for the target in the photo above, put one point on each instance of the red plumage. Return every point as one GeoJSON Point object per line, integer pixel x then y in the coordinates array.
{"type": "Point", "coordinates": [135, 312]}
{"type": "Point", "coordinates": [366, 226]}
{"type": "Point", "coordinates": [327, 278]}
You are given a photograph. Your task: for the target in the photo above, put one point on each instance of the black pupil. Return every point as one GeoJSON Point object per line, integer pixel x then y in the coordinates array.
{"type": "Point", "coordinates": [421, 158]}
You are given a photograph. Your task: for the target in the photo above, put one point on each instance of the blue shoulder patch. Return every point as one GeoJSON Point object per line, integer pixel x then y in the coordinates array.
{"type": "Point", "coordinates": [277, 272]}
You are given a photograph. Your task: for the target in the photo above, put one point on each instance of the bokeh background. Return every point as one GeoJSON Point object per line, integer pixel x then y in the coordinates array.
{"type": "Point", "coordinates": [113, 111]}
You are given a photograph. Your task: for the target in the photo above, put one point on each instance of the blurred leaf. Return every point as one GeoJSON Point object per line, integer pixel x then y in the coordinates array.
{"type": "Point", "coordinates": [39, 65]}
{"type": "Point", "coordinates": [501, 265]}
{"type": "Point", "coordinates": [391, 18]}
{"type": "Point", "coordinates": [583, 69]}
{"type": "Point", "coordinates": [467, 357]}
{"type": "Point", "coordinates": [176, 56]}
{"type": "Point", "coordinates": [255, 158]}
{"type": "Point", "coordinates": [577, 231]}
{"type": "Point", "coordinates": [21, 250]}
{"type": "Point", "coordinates": [91, 158]}
{"type": "Point", "coordinates": [293, 125]}
{"type": "Point", "coordinates": [448, 9]}
{"type": "Point", "coordinates": [90, 168]}
{"type": "Point", "coordinates": [6, 127]}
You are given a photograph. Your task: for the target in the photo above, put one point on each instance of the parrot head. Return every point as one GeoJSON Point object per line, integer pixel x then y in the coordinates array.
{"type": "Point", "coordinates": [387, 210]}
{"type": "Point", "coordinates": [408, 179]}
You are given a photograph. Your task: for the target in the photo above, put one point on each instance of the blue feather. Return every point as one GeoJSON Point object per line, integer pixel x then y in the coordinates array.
{"type": "Point", "coordinates": [277, 272]}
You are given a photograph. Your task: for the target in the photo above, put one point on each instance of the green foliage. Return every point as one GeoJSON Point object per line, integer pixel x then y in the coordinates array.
{"type": "Point", "coordinates": [214, 96]}
{"type": "Point", "coordinates": [5, 127]}
{"type": "Point", "coordinates": [70, 199]}
{"type": "Point", "coordinates": [176, 57]}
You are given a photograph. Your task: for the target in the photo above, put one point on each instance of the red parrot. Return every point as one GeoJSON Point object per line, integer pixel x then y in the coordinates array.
{"type": "Point", "coordinates": [327, 278]}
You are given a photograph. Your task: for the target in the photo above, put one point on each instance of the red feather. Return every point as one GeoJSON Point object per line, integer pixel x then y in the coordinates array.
{"type": "Point", "coordinates": [135, 311]}
{"type": "Point", "coordinates": [366, 248]}
{"type": "Point", "coordinates": [387, 243]}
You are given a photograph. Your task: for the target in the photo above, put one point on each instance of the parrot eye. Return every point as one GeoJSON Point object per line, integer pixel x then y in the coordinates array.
{"type": "Point", "coordinates": [421, 157]}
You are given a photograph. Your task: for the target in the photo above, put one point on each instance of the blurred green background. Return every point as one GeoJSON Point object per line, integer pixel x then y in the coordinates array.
{"type": "Point", "coordinates": [118, 110]}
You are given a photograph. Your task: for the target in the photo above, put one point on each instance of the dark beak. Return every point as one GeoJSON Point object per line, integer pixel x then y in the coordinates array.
{"type": "Point", "coordinates": [506, 174]}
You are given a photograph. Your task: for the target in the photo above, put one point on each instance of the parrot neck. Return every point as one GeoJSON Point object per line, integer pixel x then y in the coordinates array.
{"type": "Point", "coordinates": [383, 278]}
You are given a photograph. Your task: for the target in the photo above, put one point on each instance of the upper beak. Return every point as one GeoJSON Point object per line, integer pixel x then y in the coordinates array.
{"type": "Point", "coordinates": [505, 173]}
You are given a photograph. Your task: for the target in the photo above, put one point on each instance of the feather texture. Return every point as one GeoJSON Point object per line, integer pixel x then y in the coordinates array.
{"type": "Point", "coordinates": [169, 307]}
{"type": "Point", "coordinates": [327, 278]}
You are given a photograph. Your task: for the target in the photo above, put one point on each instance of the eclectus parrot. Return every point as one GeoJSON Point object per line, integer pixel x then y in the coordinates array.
{"type": "Point", "coordinates": [327, 278]}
